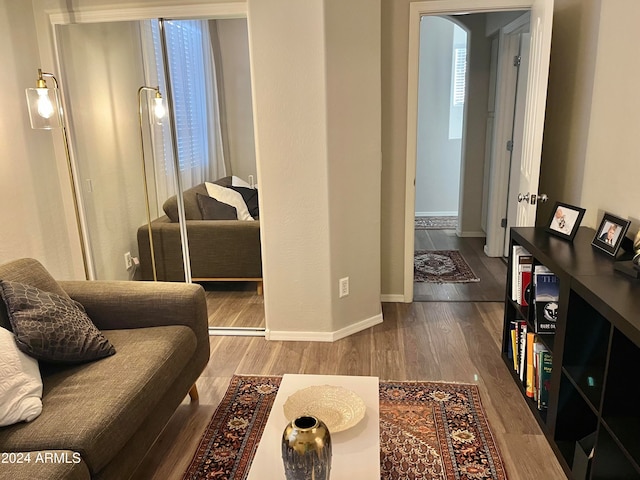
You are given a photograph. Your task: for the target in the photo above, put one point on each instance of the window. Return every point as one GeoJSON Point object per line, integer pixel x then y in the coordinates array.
{"type": "Point", "coordinates": [195, 103]}
{"type": "Point", "coordinates": [458, 82]}
{"type": "Point", "coordinates": [459, 76]}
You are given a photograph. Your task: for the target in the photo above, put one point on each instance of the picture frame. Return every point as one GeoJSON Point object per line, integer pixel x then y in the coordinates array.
{"type": "Point", "coordinates": [565, 220]}
{"type": "Point", "coordinates": [610, 234]}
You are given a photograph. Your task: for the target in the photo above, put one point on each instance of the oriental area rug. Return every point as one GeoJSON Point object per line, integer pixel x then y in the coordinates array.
{"type": "Point", "coordinates": [436, 223]}
{"type": "Point", "coordinates": [428, 430]}
{"type": "Point", "coordinates": [442, 266]}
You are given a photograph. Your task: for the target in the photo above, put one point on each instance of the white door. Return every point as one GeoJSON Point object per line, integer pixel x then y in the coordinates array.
{"type": "Point", "coordinates": [541, 23]}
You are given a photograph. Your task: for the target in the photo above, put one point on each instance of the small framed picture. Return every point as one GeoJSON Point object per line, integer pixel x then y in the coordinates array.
{"type": "Point", "coordinates": [565, 220]}
{"type": "Point", "coordinates": [610, 234]}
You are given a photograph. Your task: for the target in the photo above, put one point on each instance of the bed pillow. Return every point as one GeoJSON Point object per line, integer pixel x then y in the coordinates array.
{"type": "Point", "coordinates": [51, 327]}
{"type": "Point", "coordinates": [250, 197]}
{"type": "Point", "coordinates": [212, 209]}
{"type": "Point", "coordinates": [20, 383]}
{"type": "Point", "coordinates": [230, 197]}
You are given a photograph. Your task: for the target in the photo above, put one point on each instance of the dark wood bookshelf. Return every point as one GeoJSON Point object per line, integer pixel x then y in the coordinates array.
{"type": "Point", "coordinates": [594, 394]}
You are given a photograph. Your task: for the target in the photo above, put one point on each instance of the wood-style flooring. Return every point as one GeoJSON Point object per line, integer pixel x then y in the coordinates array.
{"type": "Point", "coordinates": [446, 341]}
{"type": "Point", "coordinates": [234, 304]}
{"type": "Point", "coordinates": [237, 304]}
{"type": "Point", "coordinates": [491, 271]}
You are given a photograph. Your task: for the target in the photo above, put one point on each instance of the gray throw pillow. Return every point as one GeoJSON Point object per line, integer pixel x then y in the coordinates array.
{"type": "Point", "coordinates": [212, 209]}
{"type": "Point", "coordinates": [51, 327]}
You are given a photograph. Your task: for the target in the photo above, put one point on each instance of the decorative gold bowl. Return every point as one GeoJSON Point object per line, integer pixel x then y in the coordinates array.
{"type": "Point", "coordinates": [338, 407]}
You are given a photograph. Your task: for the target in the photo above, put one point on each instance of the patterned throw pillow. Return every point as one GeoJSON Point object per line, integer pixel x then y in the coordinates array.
{"type": "Point", "coordinates": [52, 328]}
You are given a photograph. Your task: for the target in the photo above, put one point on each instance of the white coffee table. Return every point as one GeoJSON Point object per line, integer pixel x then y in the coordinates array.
{"type": "Point", "coordinates": [355, 452]}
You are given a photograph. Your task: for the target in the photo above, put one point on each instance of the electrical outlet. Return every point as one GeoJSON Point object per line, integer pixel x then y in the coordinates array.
{"type": "Point", "coordinates": [128, 261]}
{"type": "Point", "coordinates": [343, 286]}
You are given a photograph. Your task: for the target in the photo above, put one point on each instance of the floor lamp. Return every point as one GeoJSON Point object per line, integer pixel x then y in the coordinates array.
{"type": "Point", "coordinates": [158, 114]}
{"type": "Point", "coordinates": [46, 113]}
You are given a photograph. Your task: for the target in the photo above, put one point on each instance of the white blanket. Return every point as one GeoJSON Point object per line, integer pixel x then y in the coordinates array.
{"type": "Point", "coordinates": [20, 383]}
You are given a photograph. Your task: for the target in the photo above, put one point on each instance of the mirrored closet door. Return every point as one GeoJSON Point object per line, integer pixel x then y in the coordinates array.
{"type": "Point", "coordinates": [131, 88]}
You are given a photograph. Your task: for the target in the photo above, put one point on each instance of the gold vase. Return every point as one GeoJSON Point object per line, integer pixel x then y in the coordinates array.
{"type": "Point", "coordinates": [306, 449]}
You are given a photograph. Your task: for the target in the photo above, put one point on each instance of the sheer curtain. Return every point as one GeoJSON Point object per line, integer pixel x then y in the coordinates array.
{"type": "Point", "coordinates": [195, 98]}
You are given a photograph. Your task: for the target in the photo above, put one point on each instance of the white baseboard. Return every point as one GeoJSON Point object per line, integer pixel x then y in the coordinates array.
{"type": "Point", "coordinates": [436, 214]}
{"type": "Point", "coordinates": [470, 234]}
{"type": "Point", "coordinates": [323, 336]}
{"type": "Point", "coordinates": [392, 298]}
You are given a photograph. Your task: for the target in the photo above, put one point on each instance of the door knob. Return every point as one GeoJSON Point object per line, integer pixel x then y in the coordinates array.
{"type": "Point", "coordinates": [523, 198]}
{"type": "Point", "coordinates": [543, 198]}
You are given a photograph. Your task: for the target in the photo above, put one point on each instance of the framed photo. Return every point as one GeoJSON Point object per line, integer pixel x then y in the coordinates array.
{"type": "Point", "coordinates": [565, 220]}
{"type": "Point", "coordinates": [610, 234]}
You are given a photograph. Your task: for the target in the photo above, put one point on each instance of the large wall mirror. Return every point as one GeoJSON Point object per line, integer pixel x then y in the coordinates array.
{"type": "Point", "coordinates": [103, 67]}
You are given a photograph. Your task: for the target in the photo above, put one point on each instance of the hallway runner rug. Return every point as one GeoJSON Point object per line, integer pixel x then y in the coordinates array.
{"type": "Point", "coordinates": [436, 223]}
{"type": "Point", "coordinates": [428, 430]}
{"type": "Point", "coordinates": [442, 266]}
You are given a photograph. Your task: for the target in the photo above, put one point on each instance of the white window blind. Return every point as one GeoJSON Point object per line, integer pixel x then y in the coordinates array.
{"type": "Point", "coordinates": [185, 53]}
{"type": "Point", "coordinates": [459, 76]}
{"type": "Point", "coordinates": [195, 104]}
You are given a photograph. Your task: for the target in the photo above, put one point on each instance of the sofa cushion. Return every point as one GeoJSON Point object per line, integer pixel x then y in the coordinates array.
{"type": "Point", "coordinates": [95, 408]}
{"type": "Point", "coordinates": [190, 200]}
{"type": "Point", "coordinates": [20, 383]}
{"type": "Point", "coordinates": [250, 197]}
{"type": "Point", "coordinates": [212, 209]}
{"type": "Point", "coordinates": [230, 197]}
{"type": "Point", "coordinates": [52, 327]}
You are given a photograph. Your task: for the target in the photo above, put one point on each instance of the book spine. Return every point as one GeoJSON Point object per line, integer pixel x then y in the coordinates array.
{"type": "Point", "coordinates": [531, 340]}
{"type": "Point", "coordinates": [522, 352]}
{"type": "Point", "coordinates": [545, 379]}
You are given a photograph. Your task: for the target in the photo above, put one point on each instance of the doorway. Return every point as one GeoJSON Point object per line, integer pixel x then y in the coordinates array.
{"type": "Point", "coordinates": [442, 92]}
{"type": "Point", "coordinates": [471, 193]}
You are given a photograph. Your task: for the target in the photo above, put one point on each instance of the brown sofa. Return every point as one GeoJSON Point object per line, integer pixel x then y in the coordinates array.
{"type": "Point", "coordinates": [218, 249]}
{"type": "Point", "coordinates": [110, 411]}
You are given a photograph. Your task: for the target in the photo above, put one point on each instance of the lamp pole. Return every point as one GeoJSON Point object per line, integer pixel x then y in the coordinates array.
{"type": "Point", "coordinates": [144, 176]}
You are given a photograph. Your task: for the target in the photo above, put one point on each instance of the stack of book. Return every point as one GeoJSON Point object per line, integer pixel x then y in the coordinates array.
{"type": "Point", "coordinates": [532, 362]}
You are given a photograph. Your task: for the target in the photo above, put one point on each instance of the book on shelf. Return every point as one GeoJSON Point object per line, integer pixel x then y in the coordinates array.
{"type": "Point", "coordinates": [538, 348]}
{"type": "Point", "coordinates": [544, 364]}
{"type": "Point", "coordinates": [521, 265]}
{"type": "Point", "coordinates": [522, 353]}
{"type": "Point", "coordinates": [531, 341]}
{"type": "Point", "coordinates": [546, 288]}
{"type": "Point", "coordinates": [518, 332]}
{"type": "Point", "coordinates": [513, 331]}
{"type": "Point", "coordinates": [525, 280]}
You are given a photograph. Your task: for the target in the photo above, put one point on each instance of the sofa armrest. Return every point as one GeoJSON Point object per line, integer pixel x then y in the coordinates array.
{"type": "Point", "coordinates": [126, 304]}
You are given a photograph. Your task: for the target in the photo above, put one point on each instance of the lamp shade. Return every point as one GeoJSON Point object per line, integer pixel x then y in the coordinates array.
{"type": "Point", "coordinates": [45, 110]}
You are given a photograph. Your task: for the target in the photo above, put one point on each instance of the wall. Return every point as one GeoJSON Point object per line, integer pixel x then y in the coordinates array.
{"type": "Point", "coordinates": [291, 145]}
{"type": "Point", "coordinates": [233, 39]}
{"type": "Point", "coordinates": [569, 104]}
{"type": "Point", "coordinates": [352, 39]}
{"type": "Point", "coordinates": [317, 137]}
{"type": "Point", "coordinates": [37, 215]}
{"type": "Point", "coordinates": [470, 221]}
{"type": "Point", "coordinates": [590, 146]}
{"type": "Point", "coordinates": [102, 64]}
{"type": "Point", "coordinates": [497, 20]}
{"type": "Point", "coordinates": [611, 163]}
{"type": "Point", "coordinates": [438, 156]}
